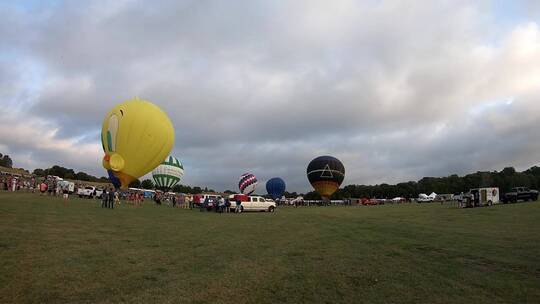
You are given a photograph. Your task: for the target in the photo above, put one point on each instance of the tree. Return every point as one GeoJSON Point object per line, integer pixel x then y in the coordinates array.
{"type": "Point", "coordinates": [197, 190]}
{"type": "Point", "coordinates": [135, 184]}
{"type": "Point", "coordinates": [39, 172]}
{"type": "Point", "coordinates": [6, 161]}
{"type": "Point", "coordinates": [69, 174]}
{"type": "Point", "coordinates": [291, 194]}
{"type": "Point", "coordinates": [82, 176]}
{"type": "Point", "coordinates": [178, 189]}
{"type": "Point", "coordinates": [312, 196]}
{"type": "Point", "coordinates": [147, 184]}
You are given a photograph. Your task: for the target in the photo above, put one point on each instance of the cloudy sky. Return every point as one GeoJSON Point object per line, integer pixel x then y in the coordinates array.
{"type": "Point", "coordinates": [397, 90]}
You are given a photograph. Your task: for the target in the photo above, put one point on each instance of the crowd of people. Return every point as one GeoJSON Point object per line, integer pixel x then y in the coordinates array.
{"type": "Point", "coordinates": [110, 197]}
{"type": "Point", "coordinates": [53, 186]}
{"type": "Point", "coordinates": [44, 185]}
{"type": "Point", "coordinates": [174, 200]}
{"type": "Point", "coordinates": [13, 182]}
{"type": "Point", "coordinates": [219, 205]}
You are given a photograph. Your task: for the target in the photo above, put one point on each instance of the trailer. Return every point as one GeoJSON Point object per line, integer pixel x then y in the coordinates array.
{"type": "Point", "coordinates": [64, 184]}
{"type": "Point", "coordinates": [480, 197]}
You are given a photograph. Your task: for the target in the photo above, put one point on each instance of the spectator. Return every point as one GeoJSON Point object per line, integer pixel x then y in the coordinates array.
{"type": "Point", "coordinates": [50, 186]}
{"type": "Point", "coordinates": [14, 184]}
{"type": "Point", "coordinates": [238, 206]}
{"type": "Point", "coordinates": [204, 204]}
{"type": "Point", "coordinates": [117, 197]}
{"type": "Point", "coordinates": [190, 202]}
{"type": "Point", "coordinates": [65, 192]}
{"type": "Point", "coordinates": [42, 188]}
{"type": "Point", "coordinates": [227, 205]}
{"type": "Point", "coordinates": [104, 198]}
{"type": "Point", "coordinates": [111, 198]}
{"type": "Point", "coordinates": [221, 205]}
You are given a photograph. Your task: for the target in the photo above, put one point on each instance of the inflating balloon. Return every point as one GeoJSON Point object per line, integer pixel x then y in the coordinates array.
{"type": "Point", "coordinates": [247, 184]}
{"type": "Point", "coordinates": [136, 137]}
{"type": "Point", "coordinates": [169, 173]}
{"type": "Point", "coordinates": [275, 187]}
{"type": "Point", "coordinates": [325, 173]}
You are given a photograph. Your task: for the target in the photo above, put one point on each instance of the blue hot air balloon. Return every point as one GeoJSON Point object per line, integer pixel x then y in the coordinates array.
{"type": "Point", "coordinates": [275, 187]}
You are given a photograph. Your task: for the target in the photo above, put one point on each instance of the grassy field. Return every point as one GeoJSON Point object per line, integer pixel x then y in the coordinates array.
{"type": "Point", "coordinates": [80, 253]}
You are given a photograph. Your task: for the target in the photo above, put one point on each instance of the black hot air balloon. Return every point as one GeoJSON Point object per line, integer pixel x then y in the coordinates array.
{"type": "Point", "coordinates": [325, 173]}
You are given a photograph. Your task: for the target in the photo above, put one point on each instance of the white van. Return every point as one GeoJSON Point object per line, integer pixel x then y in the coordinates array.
{"type": "Point", "coordinates": [256, 203]}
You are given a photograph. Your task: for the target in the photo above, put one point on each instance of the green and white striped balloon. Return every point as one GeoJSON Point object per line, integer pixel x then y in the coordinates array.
{"type": "Point", "coordinates": [168, 173]}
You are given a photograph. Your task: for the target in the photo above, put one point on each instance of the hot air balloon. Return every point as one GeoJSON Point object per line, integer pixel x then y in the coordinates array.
{"type": "Point", "coordinates": [168, 173]}
{"type": "Point", "coordinates": [136, 137]}
{"type": "Point", "coordinates": [275, 187]}
{"type": "Point", "coordinates": [325, 173]}
{"type": "Point", "coordinates": [247, 184]}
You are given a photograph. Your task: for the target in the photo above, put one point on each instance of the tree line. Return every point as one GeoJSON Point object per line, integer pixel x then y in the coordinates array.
{"type": "Point", "coordinates": [504, 180]}
{"type": "Point", "coordinates": [69, 174]}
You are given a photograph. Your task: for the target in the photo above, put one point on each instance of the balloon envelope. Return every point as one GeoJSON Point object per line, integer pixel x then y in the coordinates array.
{"type": "Point", "coordinates": [136, 136]}
{"type": "Point", "coordinates": [325, 173]}
{"type": "Point", "coordinates": [275, 187]}
{"type": "Point", "coordinates": [169, 173]}
{"type": "Point", "coordinates": [247, 184]}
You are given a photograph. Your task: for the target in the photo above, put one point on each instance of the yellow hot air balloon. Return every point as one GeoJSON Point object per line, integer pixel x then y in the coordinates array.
{"type": "Point", "coordinates": [136, 136]}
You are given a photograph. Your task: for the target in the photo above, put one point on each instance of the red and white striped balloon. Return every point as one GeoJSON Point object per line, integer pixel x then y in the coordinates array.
{"type": "Point", "coordinates": [247, 184]}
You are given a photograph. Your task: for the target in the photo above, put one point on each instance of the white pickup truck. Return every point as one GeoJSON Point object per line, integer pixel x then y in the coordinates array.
{"type": "Point", "coordinates": [255, 203]}
{"type": "Point", "coordinates": [89, 192]}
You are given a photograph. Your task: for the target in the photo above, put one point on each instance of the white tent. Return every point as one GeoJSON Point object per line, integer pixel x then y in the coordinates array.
{"type": "Point", "coordinates": [433, 195]}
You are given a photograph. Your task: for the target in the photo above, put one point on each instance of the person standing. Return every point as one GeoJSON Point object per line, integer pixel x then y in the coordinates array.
{"type": "Point", "coordinates": [33, 185]}
{"type": "Point", "coordinates": [104, 198]}
{"type": "Point", "coordinates": [227, 205]}
{"type": "Point", "coordinates": [50, 186]}
{"type": "Point", "coordinates": [190, 202]}
{"type": "Point", "coordinates": [181, 201]}
{"type": "Point", "coordinates": [111, 198]}
{"type": "Point", "coordinates": [238, 206]}
{"type": "Point", "coordinates": [140, 199]}
{"type": "Point", "coordinates": [42, 188]}
{"type": "Point", "coordinates": [65, 192]}
{"type": "Point", "coordinates": [204, 204]}
{"type": "Point", "coordinates": [117, 197]}
{"type": "Point", "coordinates": [221, 205]}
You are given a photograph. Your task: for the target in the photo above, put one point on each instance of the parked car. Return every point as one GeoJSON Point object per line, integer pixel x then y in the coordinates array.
{"type": "Point", "coordinates": [520, 193]}
{"type": "Point", "coordinates": [255, 203]}
{"type": "Point", "coordinates": [89, 192]}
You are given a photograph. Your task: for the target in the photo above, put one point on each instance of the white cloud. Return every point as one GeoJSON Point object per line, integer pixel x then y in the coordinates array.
{"type": "Point", "coordinates": [34, 143]}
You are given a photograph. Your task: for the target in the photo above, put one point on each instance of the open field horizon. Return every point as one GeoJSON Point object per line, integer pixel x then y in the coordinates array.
{"type": "Point", "coordinates": [52, 252]}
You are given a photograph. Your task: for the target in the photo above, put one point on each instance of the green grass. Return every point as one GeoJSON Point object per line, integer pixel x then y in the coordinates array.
{"type": "Point", "coordinates": [80, 253]}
